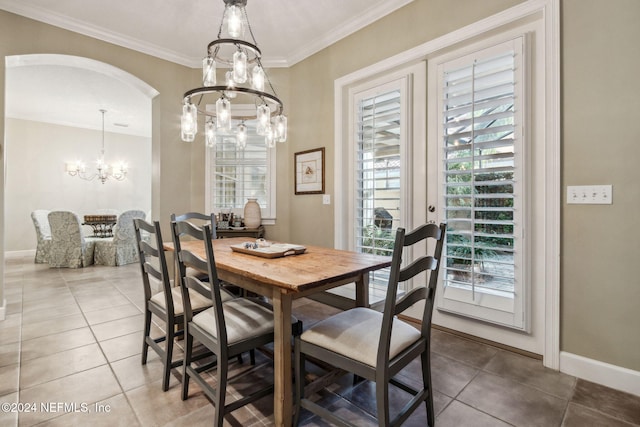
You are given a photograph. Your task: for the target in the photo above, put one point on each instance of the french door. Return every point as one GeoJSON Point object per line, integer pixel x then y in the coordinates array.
{"type": "Point", "coordinates": [482, 182]}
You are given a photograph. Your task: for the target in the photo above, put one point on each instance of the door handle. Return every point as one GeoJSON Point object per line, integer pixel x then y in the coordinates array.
{"type": "Point", "coordinates": [431, 209]}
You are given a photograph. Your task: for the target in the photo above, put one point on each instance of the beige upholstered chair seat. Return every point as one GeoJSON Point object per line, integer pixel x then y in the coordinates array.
{"type": "Point", "coordinates": [198, 302]}
{"type": "Point", "coordinates": [244, 320]}
{"type": "Point", "coordinates": [355, 334]}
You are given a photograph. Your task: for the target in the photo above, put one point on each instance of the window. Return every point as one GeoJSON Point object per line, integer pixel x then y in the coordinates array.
{"type": "Point", "coordinates": [234, 175]}
{"type": "Point", "coordinates": [380, 153]}
{"type": "Point", "coordinates": [481, 173]}
{"type": "Point", "coordinates": [378, 203]}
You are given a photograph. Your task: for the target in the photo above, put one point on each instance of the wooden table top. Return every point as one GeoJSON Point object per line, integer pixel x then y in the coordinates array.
{"type": "Point", "coordinates": [316, 267]}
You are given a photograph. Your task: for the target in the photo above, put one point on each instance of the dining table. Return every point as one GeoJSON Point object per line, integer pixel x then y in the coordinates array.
{"type": "Point", "coordinates": [102, 225]}
{"type": "Point", "coordinates": [283, 279]}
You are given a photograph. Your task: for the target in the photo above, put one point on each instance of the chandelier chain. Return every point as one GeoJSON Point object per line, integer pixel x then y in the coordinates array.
{"type": "Point", "coordinates": [246, 18]}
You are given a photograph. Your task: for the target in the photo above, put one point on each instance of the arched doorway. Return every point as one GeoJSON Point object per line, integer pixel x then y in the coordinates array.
{"type": "Point", "coordinates": [52, 117]}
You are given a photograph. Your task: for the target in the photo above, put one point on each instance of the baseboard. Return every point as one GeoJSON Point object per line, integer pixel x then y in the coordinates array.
{"type": "Point", "coordinates": [20, 254]}
{"type": "Point", "coordinates": [3, 310]}
{"type": "Point", "coordinates": [613, 376]}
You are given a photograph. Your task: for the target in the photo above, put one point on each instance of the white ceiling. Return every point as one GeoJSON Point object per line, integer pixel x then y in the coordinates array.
{"type": "Point", "coordinates": [287, 31]}
{"type": "Point", "coordinates": [70, 91]}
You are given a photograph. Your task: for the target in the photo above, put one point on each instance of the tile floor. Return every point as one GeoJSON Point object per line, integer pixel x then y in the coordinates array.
{"type": "Point", "coordinates": [70, 351]}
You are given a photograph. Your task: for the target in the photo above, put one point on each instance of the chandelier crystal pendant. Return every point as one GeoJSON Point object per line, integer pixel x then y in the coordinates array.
{"type": "Point", "coordinates": [245, 83]}
{"type": "Point", "coordinates": [103, 171]}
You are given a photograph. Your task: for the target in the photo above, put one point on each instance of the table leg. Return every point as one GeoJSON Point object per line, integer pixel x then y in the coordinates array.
{"type": "Point", "coordinates": [283, 382]}
{"type": "Point", "coordinates": [362, 290]}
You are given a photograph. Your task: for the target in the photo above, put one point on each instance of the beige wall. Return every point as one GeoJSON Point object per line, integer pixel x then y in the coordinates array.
{"type": "Point", "coordinates": [312, 82]}
{"type": "Point", "coordinates": [600, 289]}
{"type": "Point", "coordinates": [601, 145]}
{"type": "Point", "coordinates": [172, 157]}
{"type": "Point", "coordinates": [36, 154]}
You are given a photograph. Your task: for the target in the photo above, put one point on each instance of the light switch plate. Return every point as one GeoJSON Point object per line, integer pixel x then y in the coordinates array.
{"type": "Point", "coordinates": [326, 199]}
{"type": "Point", "coordinates": [590, 194]}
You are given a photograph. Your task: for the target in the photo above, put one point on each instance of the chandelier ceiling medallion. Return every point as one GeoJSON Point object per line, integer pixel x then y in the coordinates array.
{"type": "Point", "coordinates": [103, 171]}
{"type": "Point", "coordinates": [245, 82]}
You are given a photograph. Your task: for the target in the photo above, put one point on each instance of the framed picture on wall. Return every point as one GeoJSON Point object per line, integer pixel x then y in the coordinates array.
{"type": "Point", "coordinates": [309, 167]}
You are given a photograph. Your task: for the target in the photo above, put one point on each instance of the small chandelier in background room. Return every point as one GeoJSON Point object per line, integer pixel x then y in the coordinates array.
{"type": "Point", "coordinates": [244, 84]}
{"type": "Point", "coordinates": [103, 171]}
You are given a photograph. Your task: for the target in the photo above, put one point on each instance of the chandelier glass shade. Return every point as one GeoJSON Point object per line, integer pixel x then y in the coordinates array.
{"type": "Point", "coordinates": [103, 171]}
{"type": "Point", "coordinates": [244, 82]}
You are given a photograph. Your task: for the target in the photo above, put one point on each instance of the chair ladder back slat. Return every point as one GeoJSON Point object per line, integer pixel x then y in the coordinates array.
{"type": "Point", "coordinates": [423, 232]}
{"type": "Point", "coordinates": [416, 267]}
{"type": "Point", "coordinates": [210, 218]}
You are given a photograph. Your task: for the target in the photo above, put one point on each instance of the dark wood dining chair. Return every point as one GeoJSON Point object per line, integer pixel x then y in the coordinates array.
{"type": "Point", "coordinates": [374, 345]}
{"type": "Point", "coordinates": [166, 304]}
{"type": "Point", "coordinates": [227, 329]}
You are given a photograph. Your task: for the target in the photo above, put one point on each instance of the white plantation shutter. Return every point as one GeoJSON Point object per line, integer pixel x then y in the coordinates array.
{"type": "Point", "coordinates": [239, 174]}
{"type": "Point", "coordinates": [482, 197]}
{"type": "Point", "coordinates": [378, 205]}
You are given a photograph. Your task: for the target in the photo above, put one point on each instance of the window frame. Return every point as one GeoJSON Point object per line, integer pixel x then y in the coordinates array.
{"type": "Point", "coordinates": [414, 76]}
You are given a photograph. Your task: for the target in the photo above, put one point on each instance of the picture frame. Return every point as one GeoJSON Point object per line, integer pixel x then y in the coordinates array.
{"type": "Point", "coordinates": [309, 171]}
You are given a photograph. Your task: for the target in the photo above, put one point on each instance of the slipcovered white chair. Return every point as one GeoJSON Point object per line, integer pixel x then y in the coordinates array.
{"type": "Point", "coordinates": [69, 248]}
{"type": "Point", "coordinates": [121, 249]}
{"type": "Point", "coordinates": [40, 220]}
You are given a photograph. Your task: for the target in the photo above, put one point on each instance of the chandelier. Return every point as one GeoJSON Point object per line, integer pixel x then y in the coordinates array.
{"type": "Point", "coordinates": [103, 170]}
{"type": "Point", "coordinates": [244, 85]}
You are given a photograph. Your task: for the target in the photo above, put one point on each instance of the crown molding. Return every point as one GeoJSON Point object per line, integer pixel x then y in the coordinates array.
{"type": "Point", "coordinates": [58, 20]}
{"type": "Point", "coordinates": [100, 33]}
{"type": "Point", "coordinates": [345, 29]}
